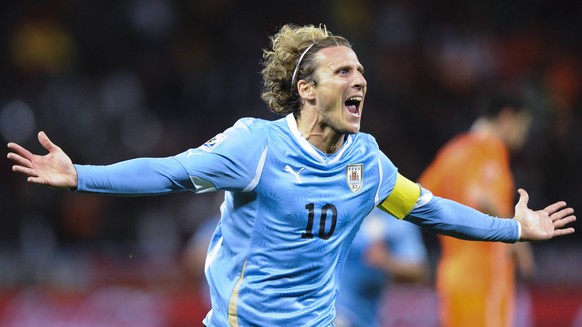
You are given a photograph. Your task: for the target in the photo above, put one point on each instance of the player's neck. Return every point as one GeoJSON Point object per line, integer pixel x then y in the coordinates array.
{"type": "Point", "coordinates": [321, 136]}
{"type": "Point", "coordinates": [325, 144]}
{"type": "Point", "coordinates": [488, 128]}
{"type": "Point", "coordinates": [483, 126]}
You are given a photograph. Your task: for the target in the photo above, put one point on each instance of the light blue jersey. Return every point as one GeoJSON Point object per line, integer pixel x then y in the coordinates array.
{"type": "Point", "coordinates": [363, 286]}
{"type": "Point", "coordinates": [289, 217]}
{"type": "Point", "coordinates": [287, 223]}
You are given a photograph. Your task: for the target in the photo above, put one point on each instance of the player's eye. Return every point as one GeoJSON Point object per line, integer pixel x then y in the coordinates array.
{"type": "Point", "coordinates": [343, 71]}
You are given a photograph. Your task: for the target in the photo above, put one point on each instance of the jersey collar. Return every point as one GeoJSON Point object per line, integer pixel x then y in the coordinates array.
{"type": "Point", "coordinates": [313, 151]}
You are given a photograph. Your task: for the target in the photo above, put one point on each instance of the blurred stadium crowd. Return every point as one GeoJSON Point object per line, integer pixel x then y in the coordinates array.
{"type": "Point", "coordinates": [111, 80]}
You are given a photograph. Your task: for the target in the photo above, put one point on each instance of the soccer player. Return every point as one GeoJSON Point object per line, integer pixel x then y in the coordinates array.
{"type": "Point", "coordinates": [385, 250]}
{"type": "Point", "coordinates": [297, 188]}
{"type": "Point", "coordinates": [476, 280]}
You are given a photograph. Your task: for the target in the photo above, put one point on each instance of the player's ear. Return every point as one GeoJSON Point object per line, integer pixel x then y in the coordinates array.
{"type": "Point", "coordinates": [306, 89]}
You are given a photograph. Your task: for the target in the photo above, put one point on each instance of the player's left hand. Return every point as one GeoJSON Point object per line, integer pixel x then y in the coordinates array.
{"type": "Point", "coordinates": [543, 224]}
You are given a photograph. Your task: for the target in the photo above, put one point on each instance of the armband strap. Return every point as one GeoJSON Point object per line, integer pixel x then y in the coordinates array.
{"type": "Point", "coordinates": [402, 199]}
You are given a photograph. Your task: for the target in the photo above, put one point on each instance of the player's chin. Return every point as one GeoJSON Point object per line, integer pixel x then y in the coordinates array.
{"type": "Point", "coordinates": [350, 122]}
{"type": "Point", "coordinates": [352, 127]}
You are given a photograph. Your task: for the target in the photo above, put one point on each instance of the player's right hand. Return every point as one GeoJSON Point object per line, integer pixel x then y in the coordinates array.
{"type": "Point", "coordinates": [53, 169]}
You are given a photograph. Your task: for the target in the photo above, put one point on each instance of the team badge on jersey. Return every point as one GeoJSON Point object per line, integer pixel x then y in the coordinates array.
{"type": "Point", "coordinates": [213, 142]}
{"type": "Point", "coordinates": [354, 177]}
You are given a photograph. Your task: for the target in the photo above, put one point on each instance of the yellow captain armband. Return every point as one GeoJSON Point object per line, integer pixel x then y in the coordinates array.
{"type": "Point", "coordinates": [402, 199]}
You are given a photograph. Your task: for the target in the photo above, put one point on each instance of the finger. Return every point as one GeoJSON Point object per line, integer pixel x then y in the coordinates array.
{"type": "Point", "coordinates": [19, 160]}
{"type": "Point", "coordinates": [523, 197]}
{"type": "Point", "coordinates": [19, 150]}
{"type": "Point", "coordinates": [565, 231]}
{"type": "Point", "coordinates": [552, 208]}
{"type": "Point", "coordinates": [564, 221]}
{"type": "Point", "coordinates": [24, 170]}
{"type": "Point", "coordinates": [46, 142]}
{"type": "Point", "coordinates": [561, 214]}
{"type": "Point", "coordinates": [36, 180]}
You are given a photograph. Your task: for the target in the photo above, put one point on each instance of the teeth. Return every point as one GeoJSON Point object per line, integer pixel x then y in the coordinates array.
{"type": "Point", "coordinates": [355, 98]}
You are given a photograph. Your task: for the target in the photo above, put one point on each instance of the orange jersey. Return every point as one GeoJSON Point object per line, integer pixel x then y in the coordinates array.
{"type": "Point", "coordinates": [475, 280]}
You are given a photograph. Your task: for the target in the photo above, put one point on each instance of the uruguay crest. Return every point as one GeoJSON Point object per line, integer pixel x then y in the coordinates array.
{"type": "Point", "coordinates": [354, 177]}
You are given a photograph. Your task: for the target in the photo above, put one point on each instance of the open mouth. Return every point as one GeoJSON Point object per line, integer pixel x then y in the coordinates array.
{"type": "Point", "coordinates": [353, 104]}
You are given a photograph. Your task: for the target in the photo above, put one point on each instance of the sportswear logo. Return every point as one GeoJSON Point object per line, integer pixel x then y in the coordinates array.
{"type": "Point", "coordinates": [354, 177]}
{"type": "Point", "coordinates": [296, 174]}
{"type": "Point", "coordinates": [213, 142]}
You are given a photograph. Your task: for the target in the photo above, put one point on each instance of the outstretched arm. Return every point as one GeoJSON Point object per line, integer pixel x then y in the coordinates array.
{"type": "Point", "coordinates": [410, 201]}
{"type": "Point", "coordinates": [135, 177]}
{"type": "Point", "coordinates": [53, 169]}
{"type": "Point", "coordinates": [451, 218]}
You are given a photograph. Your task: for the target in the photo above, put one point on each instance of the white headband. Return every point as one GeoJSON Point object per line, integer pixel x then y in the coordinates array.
{"type": "Point", "coordinates": [299, 63]}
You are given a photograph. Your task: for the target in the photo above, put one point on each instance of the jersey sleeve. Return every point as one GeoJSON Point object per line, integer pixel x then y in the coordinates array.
{"type": "Point", "coordinates": [387, 172]}
{"type": "Point", "coordinates": [231, 160]}
{"type": "Point", "coordinates": [447, 217]}
{"type": "Point", "coordinates": [141, 176]}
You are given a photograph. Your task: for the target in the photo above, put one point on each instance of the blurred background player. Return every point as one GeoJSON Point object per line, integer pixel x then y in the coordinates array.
{"type": "Point", "coordinates": [476, 280]}
{"type": "Point", "coordinates": [196, 249]}
{"type": "Point", "coordinates": [384, 250]}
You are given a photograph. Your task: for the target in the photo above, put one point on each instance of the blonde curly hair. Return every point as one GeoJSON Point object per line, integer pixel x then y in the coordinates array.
{"type": "Point", "coordinates": [280, 61]}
